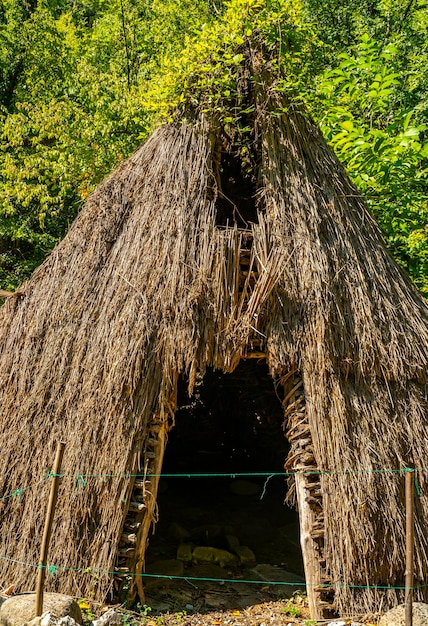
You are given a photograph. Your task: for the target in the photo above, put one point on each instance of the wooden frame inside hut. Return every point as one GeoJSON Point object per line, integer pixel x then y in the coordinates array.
{"type": "Point", "coordinates": [191, 256]}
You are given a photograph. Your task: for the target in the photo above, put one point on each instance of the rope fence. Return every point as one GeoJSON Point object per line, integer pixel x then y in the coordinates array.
{"type": "Point", "coordinates": [54, 569]}
{"type": "Point", "coordinates": [82, 479]}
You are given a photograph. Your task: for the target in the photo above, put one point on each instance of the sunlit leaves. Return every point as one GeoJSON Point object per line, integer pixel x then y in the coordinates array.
{"type": "Point", "coordinates": [71, 79]}
{"type": "Point", "coordinates": [383, 148]}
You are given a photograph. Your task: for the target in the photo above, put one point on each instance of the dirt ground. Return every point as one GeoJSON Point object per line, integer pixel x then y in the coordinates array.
{"type": "Point", "coordinates": [273, 613]}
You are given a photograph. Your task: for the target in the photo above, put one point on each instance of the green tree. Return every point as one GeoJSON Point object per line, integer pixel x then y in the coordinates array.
{"type": "Point", "coordinates": [71, 107]}
{"type": "Point", "coordinates": [383, 147]}
{"type": "Point", "coordinates": [83, 82]}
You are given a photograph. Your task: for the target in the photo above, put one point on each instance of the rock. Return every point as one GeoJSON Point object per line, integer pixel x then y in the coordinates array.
{"type": "Point", "coordinates": [167, 567]}
{"type": "Point", "coordinates": [160, 605]}
{"type": "Point", "coordinates": [17, 610]}
{"type": "Point", "coordinates": [246, 555]}
{"type": "Point", "coordinates": [42, 620]}
{"type": "Point", "coordinates": [396, 616]}
{"type": "Point", "coordinates": [274, 574]}
{"type": "Point", "coordinates": [110, 618]}
{"type": "Point", "coordinates": [49, 619]}
{"type": "Point", "coordinates": [232, 542]}
{"type": "Point", "coordinates": [212, 555]}
{"type": "Point", "coordinates": [208, 570]}
{"type": "Point", "coordinates": [244, 488]}
{"type": "Point", "coordinates": [184, 552]}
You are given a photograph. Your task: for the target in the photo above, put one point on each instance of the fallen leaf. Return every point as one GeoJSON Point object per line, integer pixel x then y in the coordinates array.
{"type": "Point", "coordinates": [83, 604]}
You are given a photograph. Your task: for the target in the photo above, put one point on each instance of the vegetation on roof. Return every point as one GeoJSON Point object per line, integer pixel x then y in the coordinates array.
{"type": "Point", "coordinates": [81, 85]}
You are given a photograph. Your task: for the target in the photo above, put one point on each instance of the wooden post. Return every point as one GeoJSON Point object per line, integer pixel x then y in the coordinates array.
{"type": "Point", "coordinates": [48, 528]}
{"type": "Point", "coordinates": [309, 549]}
{"type": "Point", "coordinates": [410, 524]}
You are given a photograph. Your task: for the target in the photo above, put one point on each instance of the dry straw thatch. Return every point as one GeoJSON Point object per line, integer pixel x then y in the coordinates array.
{"type": "Point", "coordinates": [144, 287]}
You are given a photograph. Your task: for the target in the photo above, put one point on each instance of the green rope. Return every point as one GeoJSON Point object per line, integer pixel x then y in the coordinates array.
{"type": "Point", "coordinates": [417, 486]}
{"type": "Point", "coordinates": [54, 569]}
{"type": "Point", "coordinates": [80, 482]}
{"type": "Point", "coordinates": [18, 492]}
{"type": "Point", "coordinates": [249, 474]}
{"type": "Point", "coordinates": [82, 479]}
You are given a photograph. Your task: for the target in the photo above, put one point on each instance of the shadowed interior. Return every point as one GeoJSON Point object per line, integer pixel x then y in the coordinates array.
{"type": "Point", "coordinates": [231, 425]}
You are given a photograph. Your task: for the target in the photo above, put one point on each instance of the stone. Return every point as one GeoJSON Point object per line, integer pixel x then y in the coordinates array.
{"type": "Point", "coordinates": [109, 618]}
{"type": "Point", "coordinates": [209, 570]}
{"type": "Point", "coordinates": [244, 488]}
{"type": "Point", "coordinates": [212, 555]}
{"type": "Point", "coordinates": [274, 574]}
{"type": "Point", "coordinates": [245, 554]}
{"type": "Point", "coordinates": [232, 542]}
{"type": "Point", "coordinates": [184, 552]}
{"type": "Point", "coordinates": [166, 567]}
{"type": "Point", "coordinates": [49, 619]}
{"type": "Point", "coordinates": [43, 620]}
{"type": "Point", "coordinates": [19, 609]}
{"type": "Point", "coordinates": [396, 616]}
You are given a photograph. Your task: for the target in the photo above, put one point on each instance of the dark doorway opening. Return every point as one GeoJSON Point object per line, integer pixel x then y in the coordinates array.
{"type": "Point", "coordinates": [236, 201]}
{"type": "Point", "coordinates": [229, 434]}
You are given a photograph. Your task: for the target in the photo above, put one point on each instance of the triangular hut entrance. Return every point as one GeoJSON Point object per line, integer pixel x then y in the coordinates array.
{"type": "Point", "coordinates": [245, 416]}
{"type": "Point", "coordinates": [223, 484]}
{"type": "Point", "coordinates": [149, 285]}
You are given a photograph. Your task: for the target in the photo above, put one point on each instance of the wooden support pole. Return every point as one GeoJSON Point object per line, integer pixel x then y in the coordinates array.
{"type": "Point", "coordinates": [310, 553]}
{"type": "Point", "coordinates": [48, 528]}
{"type": "Point", "coordinates": [410, 547]}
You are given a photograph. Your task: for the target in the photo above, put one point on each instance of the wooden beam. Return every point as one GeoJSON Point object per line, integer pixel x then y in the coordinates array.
{"type": "Point", "coordinates": [48, 528]}
{"type": "Point", "coordinates": [149, 518]}
{"type": "Point", "coordinates": [310, 552]}
{"type": "Point", "coordinates": [410, 545]}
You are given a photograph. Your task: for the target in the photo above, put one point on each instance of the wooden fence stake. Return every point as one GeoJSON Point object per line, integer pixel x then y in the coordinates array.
{"type": "Point", "coordinates": [48, 528]}
{"type": "Point", "coordinates": [410, 547]}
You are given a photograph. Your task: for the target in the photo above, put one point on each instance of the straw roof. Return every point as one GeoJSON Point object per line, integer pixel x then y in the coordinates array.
{"type": "Point", "coordinates": [144, 287]}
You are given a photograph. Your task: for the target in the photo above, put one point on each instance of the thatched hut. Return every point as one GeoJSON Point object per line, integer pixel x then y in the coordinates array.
{"type": "Point", "coordinates": [196, 253]}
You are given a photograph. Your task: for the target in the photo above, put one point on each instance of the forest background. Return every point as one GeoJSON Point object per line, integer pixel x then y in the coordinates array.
{"type": "Point", "coordinates": [84, 82]}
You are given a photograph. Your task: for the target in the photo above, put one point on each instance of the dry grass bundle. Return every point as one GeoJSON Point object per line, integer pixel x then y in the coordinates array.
{"type": "Point", "coordinates": [145, 286]}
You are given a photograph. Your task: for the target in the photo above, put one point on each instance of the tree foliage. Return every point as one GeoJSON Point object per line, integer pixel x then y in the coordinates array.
{"type": "Point", "coordinates": [70, 87]}
{"type": "Point", "coordinates": [383, 146]}
{"type": "Point", "coordinates": [82, 82]}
